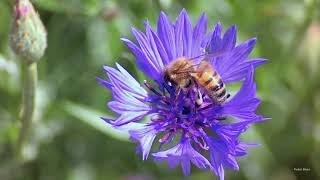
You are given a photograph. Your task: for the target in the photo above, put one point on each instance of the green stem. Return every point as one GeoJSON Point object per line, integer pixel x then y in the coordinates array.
{"type": "Point", "coordinates": [28, 102]}
{"type": "Point", "coordinates": [310, 10]}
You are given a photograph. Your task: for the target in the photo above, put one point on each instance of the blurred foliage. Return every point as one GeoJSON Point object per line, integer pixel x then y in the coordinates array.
{"type": "Point", "coordinates": [69, 141]}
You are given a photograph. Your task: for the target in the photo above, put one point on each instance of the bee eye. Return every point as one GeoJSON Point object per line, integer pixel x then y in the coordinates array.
{"type": "Point", "coordinates": [167, 80]}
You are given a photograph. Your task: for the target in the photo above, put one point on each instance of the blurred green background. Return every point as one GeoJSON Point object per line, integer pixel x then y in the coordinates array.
{"type": "Point", "coordinates": [69, 141]}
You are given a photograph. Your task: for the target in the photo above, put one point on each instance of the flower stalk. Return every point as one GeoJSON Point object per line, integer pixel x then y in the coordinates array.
{"type": "Point", "coordinates": [28, 101]}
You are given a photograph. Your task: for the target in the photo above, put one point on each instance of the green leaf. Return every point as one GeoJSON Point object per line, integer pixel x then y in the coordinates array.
{"type": "Point", "coordinates": [92, 118]}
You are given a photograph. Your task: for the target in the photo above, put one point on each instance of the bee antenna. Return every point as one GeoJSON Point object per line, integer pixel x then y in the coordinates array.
{"type": "Point", "coordinates": [212, 55]}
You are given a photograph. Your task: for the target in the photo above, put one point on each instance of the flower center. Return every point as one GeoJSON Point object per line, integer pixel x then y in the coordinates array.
{"type": "Point", "coordinates": [179, 110]}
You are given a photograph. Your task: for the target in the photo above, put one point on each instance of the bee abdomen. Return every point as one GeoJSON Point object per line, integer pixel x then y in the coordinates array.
{"type": "Point", "coordinates": [210, 80]}
{"type": "Point", "coordinates": [214, 86]}
{"type": "Point", "coordinates": [206, 78]}
{"type": "Point", "coordinates": [221, 93]}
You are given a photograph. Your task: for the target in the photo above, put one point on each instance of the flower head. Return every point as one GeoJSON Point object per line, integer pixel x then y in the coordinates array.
{"type": "Point", "coordinates": [187, 128]}
{"type": "Point", "coordinates": [28, 37]}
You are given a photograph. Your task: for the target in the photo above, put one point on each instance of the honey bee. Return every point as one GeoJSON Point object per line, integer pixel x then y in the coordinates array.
{"type": "Point", "coordinates": [183, 74]}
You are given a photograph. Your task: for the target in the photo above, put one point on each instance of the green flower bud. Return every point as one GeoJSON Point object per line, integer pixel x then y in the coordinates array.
{"type": "Point", "coordinates": [28, 37]}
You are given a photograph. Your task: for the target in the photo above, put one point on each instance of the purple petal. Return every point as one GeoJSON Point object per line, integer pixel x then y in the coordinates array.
{"type": "Point", "coordinates": [143, 62]}
{"type": "Point", "coordinates": [198, 35]}
{"type": "Point", "coordinates": [216, 157]}
{"type": "Point", "coordinates": [244, 104]}
{"type": "Point", "coordinates": [184, 153]}
{"type": "Point", "coordinates": [120, 108]}
{"type": "Point", "coordinates": [180, 32]}
{"type": "Point", "coordinates": [129, 117]}
{"type": "Point", "coordinates": [174, 162]}
{"type": "Point", "coordinates": [185, 163]}
{"type": "Point", "coordinates": [130, 126]}
{"type": "Point", "coordinates": [147, 50]}
{"type": "Point", "coordinates": [231, 162]}
{"type": "Point", "coordinates": [167, 35]}
{"type": "Point", "coordinates": [145, 135]}
{"type": "Point", "coordinates": [230, 132]}
{"type": "Point", "coordinates": [104, 83]}
{"type": "Point", "coordinates": [123, 80]}
{"type": "Point", "coordinates": [156, 58]}
{"type": "Point", "coordinates": [159, 45]}
{"type": "Point", "coordinates": [233, 58]}
{"type": "Point", "coordinates": [126, 97]}
{"type": "Point", "coordinates": [229, 38]}
{"type": "Point", "coordinates": [216, 40]}
{"type": "Point", "coordinates": [239, 72]}
{"type": "Point", "coordinates": [187, 34]}
{"type": "Point", "coordinates": [129, 80]}
{"type": "Point", "coordinates": [220, 157]}
{"type": "Point", "coordinates": [220, 172]}
{"type": "Point", "coordinates": [206, 40]}
{"type": "Point", "coordinates": [241, 148]}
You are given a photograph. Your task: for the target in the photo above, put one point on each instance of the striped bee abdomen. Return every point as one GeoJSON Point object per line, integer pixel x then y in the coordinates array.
{"type": "Point", "coordinates": [210, 80]}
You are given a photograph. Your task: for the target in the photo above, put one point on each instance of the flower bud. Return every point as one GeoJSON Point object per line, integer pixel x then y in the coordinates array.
{"type": "Point", "coordinates": [28, 37]}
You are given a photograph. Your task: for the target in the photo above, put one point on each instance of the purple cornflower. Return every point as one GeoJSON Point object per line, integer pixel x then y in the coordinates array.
{"type": "Point", "coordinates": [190, 133]}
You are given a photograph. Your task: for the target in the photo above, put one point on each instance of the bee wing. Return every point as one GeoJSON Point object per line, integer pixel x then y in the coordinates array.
{"type": "Point", "coordinates": [207, 56]}
{"type": "Point", "coordinates": [191, 69]}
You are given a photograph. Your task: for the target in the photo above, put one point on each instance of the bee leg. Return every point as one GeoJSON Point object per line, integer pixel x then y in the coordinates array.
{"type": "Point", "coordinates": [199, 99]}
{"type": "Point", "coordinates": [220, 118]}
{"type": "Point", "coordinates": [228, 95]}
{"type": "Point", "coordinates": [199, 96]}
{"type": "Point", "coordinates": [178, 90]}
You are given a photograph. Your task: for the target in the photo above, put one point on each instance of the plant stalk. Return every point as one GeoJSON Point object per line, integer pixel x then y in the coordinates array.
{"type": "Point", "coordinates": [28, 102]}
